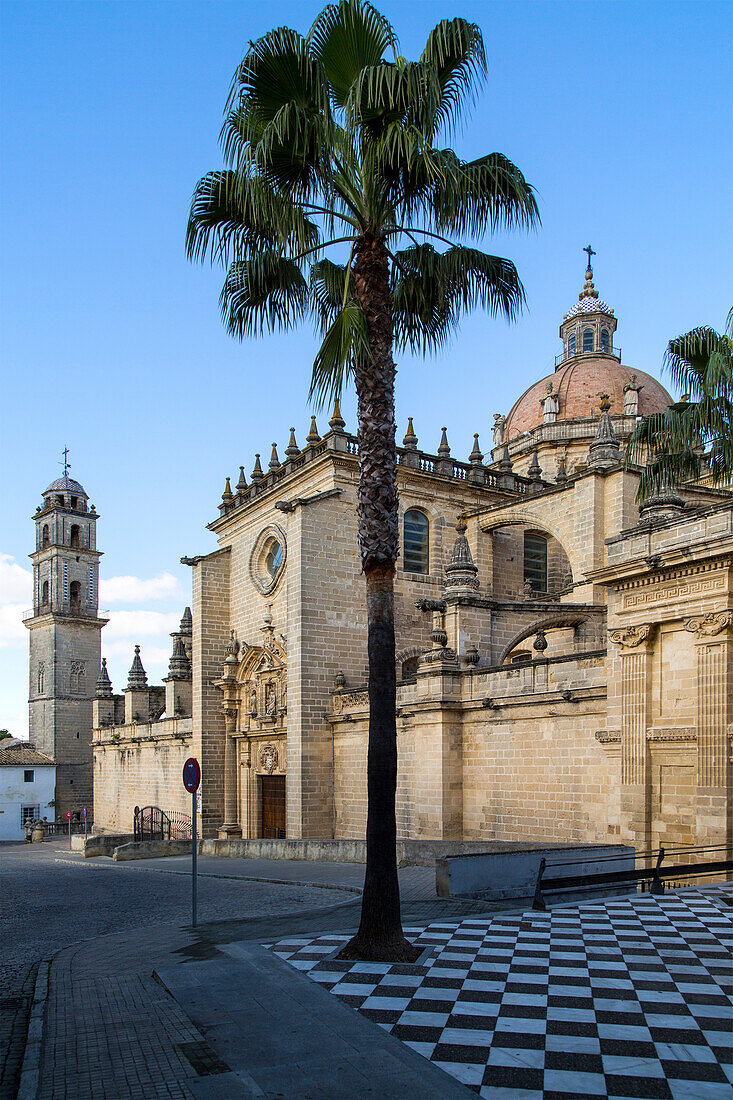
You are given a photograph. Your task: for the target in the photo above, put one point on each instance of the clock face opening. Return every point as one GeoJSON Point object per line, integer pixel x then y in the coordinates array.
{"type": "Point", "coordinates": [274, 558]}
{"type": "Point", "coordinates": [267, 562]}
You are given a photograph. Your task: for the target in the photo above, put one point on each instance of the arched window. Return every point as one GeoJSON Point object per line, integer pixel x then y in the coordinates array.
{"type": "Point", "coordinates": [45, 536]}
{"type": "Point", "coordinates": [416, 556]}
{"type": "Point", "coordinates": [75, 593]}
{"type": "Point", "coordinates": [571, 345]}
{"type": "Point", "coordinates": [409, 668]}
{"type": "Point", "coordinates": [41, 675]}
{"type": "Point", "coordinates": [535, 561]}
{"type": "Point", "coordinates": [605, 340]}
{"type": "Point", "coordinates": [44, 592]}
{"type": "Point", "coordinates": [77, 678]}
{"type": "Point", "coordinates": [75, 535]}
{"type": "Point", "coordinates": [587, 339]}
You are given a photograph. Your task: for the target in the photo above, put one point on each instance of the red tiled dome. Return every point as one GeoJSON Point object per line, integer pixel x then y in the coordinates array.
{"type": "Point", "coordinates": [580, 383]}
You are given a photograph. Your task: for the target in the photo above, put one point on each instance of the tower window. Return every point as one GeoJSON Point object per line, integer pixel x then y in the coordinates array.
{"type": "Point", "coordinates": [45, 535]}
{"type": "Point", "coordinates": [74, 502]}
{"type": "Point", "coordinates": [535, 561]}
{"type": "Point", "coordinates": [75, 593]}
{"type": "Point", "coordinates": [44, 592]}
{"type": "Point", "coordinates": [587, 339]}
{"type": "Point", "coordinates": [605, 340]}
{"type": "Point", "coordinates": [78, 677]}
{"type": "Point", "coordinates": [41, 677]}
{"type": "Point", "coordinates": [571, 344]}
{"type": "Point", "coordinates": [74, 537]}
{"type": "Point", "coordinates": [416, 542]}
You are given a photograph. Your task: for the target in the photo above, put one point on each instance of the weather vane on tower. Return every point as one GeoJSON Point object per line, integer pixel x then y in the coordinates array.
{"type": "Point", "coordinates": [66, 464]}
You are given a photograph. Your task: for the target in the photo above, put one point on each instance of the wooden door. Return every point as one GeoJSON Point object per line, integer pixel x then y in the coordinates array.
{"type": "Point", "coordinates": [272, 807]}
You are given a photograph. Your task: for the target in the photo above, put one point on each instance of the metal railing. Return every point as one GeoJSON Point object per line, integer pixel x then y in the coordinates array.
{"type": "Point", "coordinates": [612, 350]}
{"type": "Point", "coordinates": [649, 877]}
{"type": "Point", "coordinates": [152, 823]}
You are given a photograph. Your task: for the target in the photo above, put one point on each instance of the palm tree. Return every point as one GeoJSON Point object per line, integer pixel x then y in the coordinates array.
{"type": "Point", "coordinates": [700, 363]}
{"type": "Point", "coordinates": [330, 142]}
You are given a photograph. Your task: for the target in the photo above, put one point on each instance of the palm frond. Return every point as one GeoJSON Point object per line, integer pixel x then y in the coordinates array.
{"type": "Point", "coordinates": [431, 290]}
{"type": "Point", "coordinates": [233, 216]}
{"type": "Point", "coordinates": [347, 37]}
{"type": "Point", "coordinates": [328, 291]}
{"type": "Point", "coordinates": [688, 360]}
{"type": "Point", "coordinates": [346, 342]}
{"type": "Point", "coordinates": [267, 291]}
{"type": "Point", "coordinates": [478, 196]}
{"type": "Point", "coordinates": [390, 92]}
{"type": "Point", "coordinates": [455, 49]}
{"type": "Point", "coordinates": [279, 111]}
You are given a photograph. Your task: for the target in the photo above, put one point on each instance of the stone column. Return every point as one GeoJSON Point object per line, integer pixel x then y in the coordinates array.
{"type": "Point", "coordinates": [635, 646]}
{"type": "Point", "coordinates": [231, 826]}
{"type": "Point", "coordinates": [714, 659]}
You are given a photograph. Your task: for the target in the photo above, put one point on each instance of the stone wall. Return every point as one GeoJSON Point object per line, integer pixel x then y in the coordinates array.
{"type": "Point", "coordinates": [140, 765]}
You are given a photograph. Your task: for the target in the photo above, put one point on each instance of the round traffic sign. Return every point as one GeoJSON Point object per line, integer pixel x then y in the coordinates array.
{"type": "Point", "coordinates": [84, 812]}
{"type": "Point", "coordinates": [191, 774]}
{"type": "Point", "coordinates": [68, 815]}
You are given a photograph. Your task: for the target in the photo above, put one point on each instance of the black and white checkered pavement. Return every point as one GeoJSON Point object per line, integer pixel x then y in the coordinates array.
{"type": "Point", "coordinates": [620, 998]}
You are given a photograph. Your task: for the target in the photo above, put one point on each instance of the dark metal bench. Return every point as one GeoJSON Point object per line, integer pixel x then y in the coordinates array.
{"type": "Point", "coordinates": [655, 875]}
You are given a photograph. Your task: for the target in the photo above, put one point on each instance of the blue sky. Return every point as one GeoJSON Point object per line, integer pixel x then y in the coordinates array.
{"type": "Point", "coordinates": [618, 113]}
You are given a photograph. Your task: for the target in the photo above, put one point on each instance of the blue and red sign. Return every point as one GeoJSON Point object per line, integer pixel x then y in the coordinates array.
{"type": "Point", "coordinates": [68, 815]}
{"type": "Point", "coordinates": [84, 812]}
{"type": "Point", "coordinates": [191, 774]}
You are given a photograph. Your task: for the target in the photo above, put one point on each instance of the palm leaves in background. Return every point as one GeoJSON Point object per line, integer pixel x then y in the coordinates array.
{"type": "Point", "coordinates": [696, 432]}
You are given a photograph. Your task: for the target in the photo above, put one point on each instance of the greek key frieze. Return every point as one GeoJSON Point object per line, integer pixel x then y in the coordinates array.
{"type": "Point", "coordinates": [681, 591]}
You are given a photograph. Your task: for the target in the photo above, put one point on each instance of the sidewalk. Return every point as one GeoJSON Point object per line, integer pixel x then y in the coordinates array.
{"type": "Point", "coordinates": [111, 1030]}
{"type": "Point", "coordinates": [503, 1005]}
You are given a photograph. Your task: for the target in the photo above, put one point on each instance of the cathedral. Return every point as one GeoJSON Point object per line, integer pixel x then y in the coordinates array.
{"type": "Point", "coordinates": [565, 668]}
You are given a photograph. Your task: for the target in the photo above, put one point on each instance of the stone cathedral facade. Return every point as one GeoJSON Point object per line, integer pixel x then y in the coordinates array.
{"type": "Point", "coordinates": [564, 657]}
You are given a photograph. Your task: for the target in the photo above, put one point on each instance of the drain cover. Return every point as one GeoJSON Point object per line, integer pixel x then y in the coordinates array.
{"type": "Point", "coordinates": [203, 1058]}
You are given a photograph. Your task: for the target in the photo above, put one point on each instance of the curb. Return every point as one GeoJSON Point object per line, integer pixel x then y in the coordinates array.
{"type": "Point", "coordinates": [30, 1072]}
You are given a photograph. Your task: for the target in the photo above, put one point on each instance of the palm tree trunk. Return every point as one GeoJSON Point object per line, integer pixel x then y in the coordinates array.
{"type": "Point", "coordinates": [380, 936]}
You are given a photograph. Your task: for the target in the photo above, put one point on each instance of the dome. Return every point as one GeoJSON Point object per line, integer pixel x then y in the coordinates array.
{"type": "Point", "coordinates": [65, 485]}
{"type": "Point", "coordinates": [579, 384]}
{"type": "Point", "coordinates": [588, 305]}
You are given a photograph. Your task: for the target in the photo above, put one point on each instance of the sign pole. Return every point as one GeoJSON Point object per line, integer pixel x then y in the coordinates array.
{"type": "Point", "coordinates": [194, 854]}
{"type": "Point", "coordinates": [191, 781]}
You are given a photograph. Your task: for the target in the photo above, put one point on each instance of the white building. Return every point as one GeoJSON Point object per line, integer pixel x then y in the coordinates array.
{"type": "Point", "coordinates": [27, 783]}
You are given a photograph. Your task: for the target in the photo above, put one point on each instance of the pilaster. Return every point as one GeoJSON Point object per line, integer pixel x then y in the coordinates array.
{"type": "Point", "coordinates": [714, 660]}
{"type": "Point", "coordinates": [635, 644]}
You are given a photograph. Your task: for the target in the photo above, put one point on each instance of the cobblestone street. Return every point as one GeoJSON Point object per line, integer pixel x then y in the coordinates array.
{"type": "Point", "coordinates": [51, 898]}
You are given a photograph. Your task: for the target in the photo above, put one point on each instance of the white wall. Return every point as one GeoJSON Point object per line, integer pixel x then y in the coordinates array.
{"type": "Point", "coordinates": [16, 793]}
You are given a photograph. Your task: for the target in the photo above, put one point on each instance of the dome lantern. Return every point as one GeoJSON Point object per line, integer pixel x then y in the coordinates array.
{"type": "Point", "coordinates": [588, 327]}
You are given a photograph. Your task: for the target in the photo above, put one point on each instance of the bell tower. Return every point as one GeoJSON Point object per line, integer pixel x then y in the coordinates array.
{"type": "Point", "coordinates": [65, 638]}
